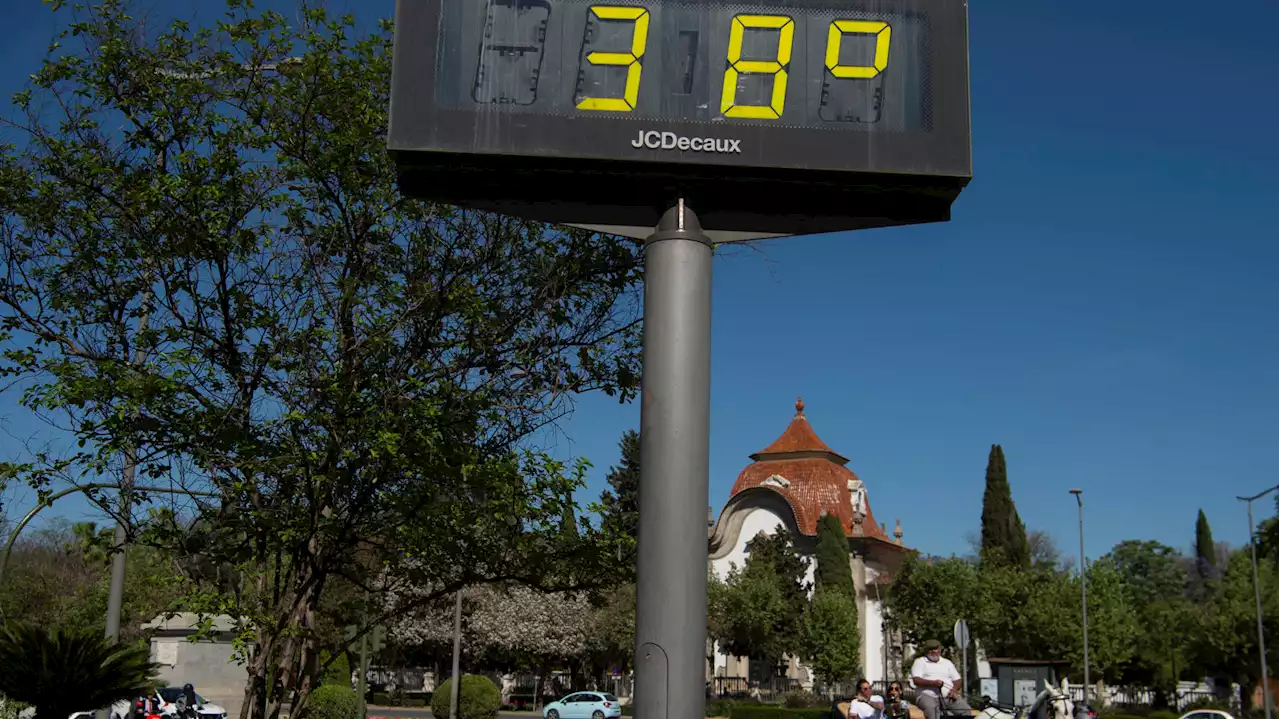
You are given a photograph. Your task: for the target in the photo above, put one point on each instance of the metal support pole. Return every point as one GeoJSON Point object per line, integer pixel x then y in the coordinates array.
{"type": "Point", "coordinates": [115, 599]}
{"type": "Point", "coordinates": [1084, 595]}
{"type": "Point", "coordinates": [115, 596]}
{"type": "Point", "coordinates": [363, 678]}
{"type": "Point", "coordinates": [457, 656]}
{"type": "Point", "coordinates": [1257, 597]}
{"type": "Point", "coordinates": [675, 417]}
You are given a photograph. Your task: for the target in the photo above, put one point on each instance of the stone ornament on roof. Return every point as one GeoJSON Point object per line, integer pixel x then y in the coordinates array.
{"type": "Point", "coordinates": [858, 499]}
{"type": "Point", "coordinates": [776, 480]}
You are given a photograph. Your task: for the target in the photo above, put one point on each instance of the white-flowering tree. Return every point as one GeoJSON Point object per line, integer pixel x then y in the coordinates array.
{"type": "Point", "coordinates": [503, 625]}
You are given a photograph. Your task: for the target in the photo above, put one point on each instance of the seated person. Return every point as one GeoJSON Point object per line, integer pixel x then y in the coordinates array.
{"type": "Point", "coordinates": [937, 684]}
{"type": "Point", "coordinates": [866, 705]}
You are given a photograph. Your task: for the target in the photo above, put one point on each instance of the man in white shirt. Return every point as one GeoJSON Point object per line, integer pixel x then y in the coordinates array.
{"type": "Point", "coordinates": [865, 704]}
{"type": "Point", "coordinates": [937, 683]}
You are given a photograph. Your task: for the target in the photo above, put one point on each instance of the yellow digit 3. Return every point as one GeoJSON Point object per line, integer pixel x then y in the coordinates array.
{"type": "Point", "coordinates": [776, 67]}
{"type": "Point", "coordinates": [840, 28]}
{"type": "Point", "coordinates": [631, 60]}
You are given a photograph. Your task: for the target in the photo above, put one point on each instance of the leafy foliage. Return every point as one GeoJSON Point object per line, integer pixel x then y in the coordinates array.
{"type": "Point", "coordinates": [620, 503]}
{"type": "Point", "coordinates": [478, 698]}
{"type": "Point", "coordinates": [830, 637]}
{"type": "Point", "coordinates": [59, 577]}
{"type": "Point", "coordinates": [928, 596]}
{"type": "Point", "coordinates": [775, 554]}
{"type": "Point", "coordinates": [207, 260]}
{"type": "Point", "coordinates": [1227, 637]}
{"type": "Point", "coordinates": [61, 672]}
{"type": "Point", "coordinates": [332, 701]}
{"type": "Point", "coordinates": [832, 557]}
{"type": "Point", "coordinates": [743, 611]}
{"type": "Point", "coordinates": [1004, 537]}
{"type": "Point", "coordinates": [1206, 553]}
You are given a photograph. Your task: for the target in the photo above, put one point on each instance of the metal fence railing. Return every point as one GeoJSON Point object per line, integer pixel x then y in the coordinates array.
{"type": "Point", "coordinates": [742, 688]}
{"type": "Point", "coordinates": [1145, 697]}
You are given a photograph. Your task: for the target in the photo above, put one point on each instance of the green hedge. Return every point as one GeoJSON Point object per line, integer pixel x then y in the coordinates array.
{"type": "Point", "coordinates": [763, 711]}
{"type": "Point", "coordinates": [478, 698]}
{"type": "Point", "coordinates": [331, 701]}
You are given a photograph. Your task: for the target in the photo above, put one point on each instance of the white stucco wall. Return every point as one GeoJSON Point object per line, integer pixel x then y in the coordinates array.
{"type": "Point", "coordinates": [762, 520]}
{"type": "Point", "coordinates": [873, 643]}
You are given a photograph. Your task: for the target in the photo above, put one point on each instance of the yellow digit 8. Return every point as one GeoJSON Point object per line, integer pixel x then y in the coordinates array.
{"type": "Point", "coordinates": [778, 67]}
{"type": "Point", "coordinates": [840, 28]}
{"type": "Point", "coordinates": [639, 33]}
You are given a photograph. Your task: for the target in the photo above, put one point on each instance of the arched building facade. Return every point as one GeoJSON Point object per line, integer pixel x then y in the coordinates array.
{"type": "Point", "coordinates": [792, 483]}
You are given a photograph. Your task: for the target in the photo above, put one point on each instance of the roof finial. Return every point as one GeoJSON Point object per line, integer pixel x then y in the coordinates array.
{"type": "Point", "coordinates": [897, 530]}
{"type": "Point", "coordinates": [799, 406]}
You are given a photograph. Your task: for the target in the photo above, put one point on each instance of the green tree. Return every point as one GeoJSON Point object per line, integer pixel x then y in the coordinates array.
{"type": "Point", "coordinates": [1226, 640]}
{"type": "Point", "coordinates": [620, 503]}
{"type": "Point", "coordinates": [1150, 570]}
{"type": "Point", "coordinates": [1004, 537]}
{"type": "Point", "coordinates": [832, 557]}
{"type": "Point", "coordinates": [928, 596]}
{"type": "Point", "coordinates": [1206, 552]}
{"type": "Point", "coordinates": [829, 639]}
{"type": "Point", "coordinates": [775, 554]}
{"type": "Point", "coordinates": [59, 577]}
{"type": "Point", "coordinates": [1113, 623]}
{"type": "Point", "coordinates": [1154, 584]}
{"type": "Point", "coordinates": [743, 612]}
{"type": "Point", "coordinates": [1268, 538]}
{"type": "Point", "coordinates": [61, 672]}
{"type": "Point", "coordinates": [352, 372]}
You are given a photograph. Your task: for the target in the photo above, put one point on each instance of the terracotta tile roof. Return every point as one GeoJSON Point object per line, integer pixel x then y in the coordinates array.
{"type": "Point", "coordinates": [812, 478]}
{"type": "Point", "coordinates": [799, 438]}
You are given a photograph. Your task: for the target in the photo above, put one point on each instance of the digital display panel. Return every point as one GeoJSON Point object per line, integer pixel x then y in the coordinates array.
{"type": "Point", "coordinates": [848, 103]}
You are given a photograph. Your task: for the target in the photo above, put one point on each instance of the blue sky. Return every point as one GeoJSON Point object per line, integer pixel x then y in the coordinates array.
{"type": "Point", "coordinates": [1098, 304]}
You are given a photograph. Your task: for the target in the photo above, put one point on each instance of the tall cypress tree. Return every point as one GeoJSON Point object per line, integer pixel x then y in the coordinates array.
{"type": "Point", "coordinates": [1004, 537]}
{"type": "Point", "coordinates": [621, 501]}
{"type": "Point", "coordinates": [832, 555]}
{"type": "Point", "coordinates": [1206, 556]}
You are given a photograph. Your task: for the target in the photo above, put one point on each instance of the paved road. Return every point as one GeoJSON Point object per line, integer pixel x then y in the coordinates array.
{"type": "Point", "coordinates": [424, 713]}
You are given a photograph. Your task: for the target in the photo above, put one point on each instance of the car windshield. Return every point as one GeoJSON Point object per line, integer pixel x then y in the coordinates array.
{"type": "Point", "coordinates": [610, 698]}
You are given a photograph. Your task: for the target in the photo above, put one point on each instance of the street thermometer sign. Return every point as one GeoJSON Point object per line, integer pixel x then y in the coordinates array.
{"type": "Point", "coordinates": [783, 117]}
{"type": "Point", "coordinates": [773, 118]}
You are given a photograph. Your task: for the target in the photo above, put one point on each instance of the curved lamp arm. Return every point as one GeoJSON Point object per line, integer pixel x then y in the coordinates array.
{"type": "Point", "coordinates": [13, 537]}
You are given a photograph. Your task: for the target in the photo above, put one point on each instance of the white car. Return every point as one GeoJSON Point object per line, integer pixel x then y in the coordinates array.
{"type": "Point", "coordinates": [1206, 714]}
{"type": "Point", "coordinates": [167, 698]}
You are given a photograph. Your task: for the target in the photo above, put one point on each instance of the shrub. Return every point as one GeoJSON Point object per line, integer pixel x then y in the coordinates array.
{"type": "Point", "coordinates": [719, 707]}
{"type": "Point", "coordinates": [339, 672]}
{"type": "Point", "coordinates": [801, 700]}
{"type": "Point", "coordinates": [478, 698]}
{"type": "Point", "coordinates": [766, 711]}
{"type": "Point", "coordinates": [87, 669]}
{"type": "Point", "coordinates": [1163, 714]}
{"type": "Point", "coordinates": [1206, 703]}
{"type": "Point", "coordinates": [330, 701]}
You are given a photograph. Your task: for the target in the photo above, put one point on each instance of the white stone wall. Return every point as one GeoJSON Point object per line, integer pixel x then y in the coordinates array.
{"type": "Point", "coordinates": [873, 644]}
{"type": "Point", "coordinates": [207, 665]}
{"type": "Point", "coordinates": [762, 520]}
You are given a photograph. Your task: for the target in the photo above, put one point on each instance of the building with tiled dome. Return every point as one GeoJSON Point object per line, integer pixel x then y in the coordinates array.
{"type": "Point", "coordinates": [792, 483]}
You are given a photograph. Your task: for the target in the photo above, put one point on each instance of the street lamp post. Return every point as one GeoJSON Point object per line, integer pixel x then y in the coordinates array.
{"type": "Point", "coordinates": [1257, 598]}
{"type": "Point", "coordinates": [1084, 594]}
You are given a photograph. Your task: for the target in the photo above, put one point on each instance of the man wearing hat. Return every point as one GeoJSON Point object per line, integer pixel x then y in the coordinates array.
{"type": "Point", "coordinates": [937, 683]}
